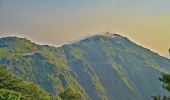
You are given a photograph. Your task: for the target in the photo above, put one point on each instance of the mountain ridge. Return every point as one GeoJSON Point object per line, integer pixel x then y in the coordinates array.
{"type": "Point", "coordinates": [104, 34]}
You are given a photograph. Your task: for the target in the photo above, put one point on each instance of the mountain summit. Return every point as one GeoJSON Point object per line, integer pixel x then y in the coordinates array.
{"type": "Point", "coordinates": [100, 67]}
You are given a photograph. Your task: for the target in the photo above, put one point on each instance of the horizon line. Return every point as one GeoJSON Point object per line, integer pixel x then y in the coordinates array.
{"type": "Point", "coordinates": [18, 35]}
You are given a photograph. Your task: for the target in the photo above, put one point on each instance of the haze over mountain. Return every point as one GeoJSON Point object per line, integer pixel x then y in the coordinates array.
{"type": "Point", "coordinates": [100, 67]}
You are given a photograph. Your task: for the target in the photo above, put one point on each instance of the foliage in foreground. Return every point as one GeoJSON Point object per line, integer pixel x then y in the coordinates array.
{"type": "Point", "coordinates": [9, 95]}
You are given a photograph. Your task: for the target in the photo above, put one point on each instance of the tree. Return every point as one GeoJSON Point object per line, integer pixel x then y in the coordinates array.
{"type": "Point", "coordinates": [9, 95]}
{"type": "Point", "coordinates": [165, 79]}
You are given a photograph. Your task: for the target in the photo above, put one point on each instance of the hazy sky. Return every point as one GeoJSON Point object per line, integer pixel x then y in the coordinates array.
{"type": "Point", "coordinates": [146, 22]}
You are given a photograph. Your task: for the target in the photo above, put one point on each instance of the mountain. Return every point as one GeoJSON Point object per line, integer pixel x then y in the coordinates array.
{"type": "Point", "coordinates": [99, 67]}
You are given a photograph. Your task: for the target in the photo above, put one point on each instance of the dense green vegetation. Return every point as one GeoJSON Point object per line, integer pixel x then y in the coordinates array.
{"type": "Point", "coordinates": [9, 95]}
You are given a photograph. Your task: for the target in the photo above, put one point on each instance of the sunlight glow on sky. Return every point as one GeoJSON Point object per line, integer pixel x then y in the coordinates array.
{"type": "Point", "coordinates": [53, 22]}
